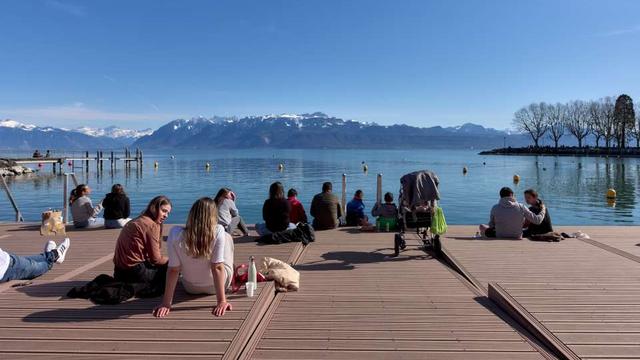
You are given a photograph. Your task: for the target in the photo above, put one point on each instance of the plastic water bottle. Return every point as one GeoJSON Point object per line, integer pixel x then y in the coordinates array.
{"type": "Point", "coordinates": [252, 277]}
{"type": "Point", "coordinates": [477, 235]}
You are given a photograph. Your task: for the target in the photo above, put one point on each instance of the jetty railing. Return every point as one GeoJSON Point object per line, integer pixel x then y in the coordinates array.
{"type": "Point", "coordinates": [19, 217]}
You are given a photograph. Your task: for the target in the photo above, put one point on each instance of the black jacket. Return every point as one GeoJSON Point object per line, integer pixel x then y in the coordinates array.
{"type": "Point", "coordinates": [116, 206]}
{"type": "Point", "coordinates": [275, 213]}
{"type": "Point", "coordinates": [545, 225]}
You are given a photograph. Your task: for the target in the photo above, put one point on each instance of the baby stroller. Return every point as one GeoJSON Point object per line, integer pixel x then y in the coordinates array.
{"type": "Point", "coordinates": [417, 199]}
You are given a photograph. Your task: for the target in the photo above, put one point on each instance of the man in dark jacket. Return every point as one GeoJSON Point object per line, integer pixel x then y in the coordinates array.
{"type": "Point", "coordinates": [326, 209]}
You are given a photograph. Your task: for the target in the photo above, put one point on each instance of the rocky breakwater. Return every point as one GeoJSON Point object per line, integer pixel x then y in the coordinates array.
{"type": "Point", "coordinates": [10, 168]}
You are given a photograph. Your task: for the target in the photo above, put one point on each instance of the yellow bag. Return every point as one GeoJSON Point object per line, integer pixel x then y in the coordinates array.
{"type": "Point", "coordinates": [438, 223]}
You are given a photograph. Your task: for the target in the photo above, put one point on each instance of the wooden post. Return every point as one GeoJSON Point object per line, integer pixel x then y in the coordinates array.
{"type": "Point", "coordinates": [11, 200]}
{"type": "Point", "coordinates": [379, 189]}
{"type": "Point", "coordinates": [344, 195]}
{"type": "Point", "coordinates": [65, 198]}
{"type": "Point", "coordinates": [113, 161]}
{"type": "Point", "coordinates": [101, 158]}
{"type": "Point", "coordinates": [86, 161]}
{"type": "Point", "coordinates": [140, 158]}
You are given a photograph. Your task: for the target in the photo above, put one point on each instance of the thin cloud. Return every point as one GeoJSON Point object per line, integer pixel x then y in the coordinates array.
{"type": "Point", "coordinates": [629, 30]}
{"type": "Point", "coordinates": [107, 77]}
{"type": "Point", "coordinates": [79, 113]}
{"type": "Point", "coordinates": [71, 9]}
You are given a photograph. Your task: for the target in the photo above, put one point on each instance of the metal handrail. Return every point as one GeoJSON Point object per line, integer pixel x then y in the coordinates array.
{"type": "Point", "coordinates": [19, 217]}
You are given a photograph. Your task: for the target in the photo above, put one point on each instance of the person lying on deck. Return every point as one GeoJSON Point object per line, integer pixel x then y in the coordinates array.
{"type": "Point", "coordinates": [138, 258]}
{"type": "Point", "coordinates": [228, 214]}
{"type": "Point", "coordinates": [535, 206]}
{"type": "Point", "coordinates": [16, 267]}
{"type": "Point", "coordinates": [85, 215]}
{"type": "Point", "coordinates": [202, 251]}
{"type": "Point", "coordinates": [326, 209]}
{"type": "Point", "coordinates": [508, 216]}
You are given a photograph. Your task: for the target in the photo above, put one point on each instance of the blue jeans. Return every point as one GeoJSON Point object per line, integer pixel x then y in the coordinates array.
{"type": "Point", "coordinates": [28, 267]}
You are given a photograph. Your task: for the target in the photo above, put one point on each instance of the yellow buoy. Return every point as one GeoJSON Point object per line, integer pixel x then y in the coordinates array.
{"type": "Point", "coordinates": [516, 178]}
{"type": "Point", "coordinates": [207, 166]}
{"type": "Point", "coordinates": [280, 167]}
{"type": "Point", "coordinates": [155, 164]}
{"type": "Point", "coordinates": [465, 170]}
{"type": "Point", "coordinates": [365, 168]}
{"type": "Point", "coordinates": [611, 194]}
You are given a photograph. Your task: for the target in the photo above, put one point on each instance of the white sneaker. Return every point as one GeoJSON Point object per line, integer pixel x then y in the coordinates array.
{"type": "Point", "coordinates": [62, 250]}
{"type": "Point", "coordinates": [50, 245]}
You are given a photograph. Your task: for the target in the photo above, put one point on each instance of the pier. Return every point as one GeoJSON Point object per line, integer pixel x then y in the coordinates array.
{"type": "Point", "coordinates": [485, 299]}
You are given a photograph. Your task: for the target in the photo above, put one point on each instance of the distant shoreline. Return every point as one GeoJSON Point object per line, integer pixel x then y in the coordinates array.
{"type": "Point", "coordinates": [565, 151]}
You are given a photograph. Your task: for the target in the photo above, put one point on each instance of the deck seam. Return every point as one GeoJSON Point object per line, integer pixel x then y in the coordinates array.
{"type": "Point", "coordinates": [511, 306]}
{"type": "Point", "coordinates": [256, 336]}
{"type": "Point", "coordinates": [256, 315]}
{"type": "Point", "coordinates": [611, 249]}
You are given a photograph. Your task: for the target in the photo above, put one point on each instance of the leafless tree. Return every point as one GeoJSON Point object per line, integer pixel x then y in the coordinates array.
{"type": "Point", "coordinates": [531, 119]}
{"type": "Point", "coordinates": [556, 117]}
{"type": "Point", "coordinates": [634, 132]}
{"type": "Point", "coordinates": [578, 120]}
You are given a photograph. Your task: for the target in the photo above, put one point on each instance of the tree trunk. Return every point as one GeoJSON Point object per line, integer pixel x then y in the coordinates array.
{"type": "Point", "coordinates": [597, 141]}
{"type": "Point", "coordinates": [580, 142]}
{"type": "Point", "coordinates": [535, 141]}
{"type": "Point", "coordinates": [607, 142]}
{"type": "Point", "coordinates": [555, 142]}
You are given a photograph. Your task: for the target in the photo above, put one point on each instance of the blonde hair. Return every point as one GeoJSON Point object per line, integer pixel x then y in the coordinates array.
{"type": "Point", "coordinates": [199, 235]}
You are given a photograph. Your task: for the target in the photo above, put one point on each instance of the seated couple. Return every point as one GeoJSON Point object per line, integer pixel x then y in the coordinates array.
{"type": "Point", "coordinates": [200, 254]}
{"type": "Point", "coordinates": [280, 213]}
{"type": "Point", "coordinates": [116, 207]}
{"type": "Point", "coordinates": [386, 213]}
{"type": "Point", "coordinates": [508, 217]}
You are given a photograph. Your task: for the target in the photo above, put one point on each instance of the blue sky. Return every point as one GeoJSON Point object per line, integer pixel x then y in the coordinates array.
{"type": "Point", "coordinates": [142, 63]}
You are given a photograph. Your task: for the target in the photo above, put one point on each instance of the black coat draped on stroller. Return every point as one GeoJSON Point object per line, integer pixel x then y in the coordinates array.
{"type": "Point", "coordinates": [417, 199]}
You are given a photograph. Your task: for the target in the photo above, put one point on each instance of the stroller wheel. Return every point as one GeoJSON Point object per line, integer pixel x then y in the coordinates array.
{"type": "Point", "coordinates": [437, 245]}
{"type": "Point", "coordinates": [398, 243]}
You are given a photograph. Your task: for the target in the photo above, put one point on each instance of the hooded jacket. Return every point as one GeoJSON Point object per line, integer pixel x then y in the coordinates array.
{"type": "Point", "coordinates": [508, 216]}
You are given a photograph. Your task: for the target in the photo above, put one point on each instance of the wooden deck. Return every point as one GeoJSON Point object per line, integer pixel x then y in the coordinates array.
{"type": "Point", "coordinates": [583, 296]}
{"type": "Point", "coordinates": [571, 299]}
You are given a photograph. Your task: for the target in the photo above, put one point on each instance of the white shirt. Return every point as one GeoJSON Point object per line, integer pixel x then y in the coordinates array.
{"type": "Point", "coordinates": [4, 262]}
{"type": "Point", "coordinates": [197, 271]}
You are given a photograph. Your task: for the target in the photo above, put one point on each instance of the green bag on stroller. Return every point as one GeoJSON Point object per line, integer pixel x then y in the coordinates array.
{"type": "Point", "coordinates": [438, 222]}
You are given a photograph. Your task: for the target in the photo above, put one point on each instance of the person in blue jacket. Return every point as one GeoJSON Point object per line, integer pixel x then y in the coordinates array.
{"type": "Point", "coordinates": [355, 210]}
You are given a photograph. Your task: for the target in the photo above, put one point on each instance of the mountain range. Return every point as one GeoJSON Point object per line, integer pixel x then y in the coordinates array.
{"type": "Point", "coordinates": [19, 136]}
{"type": "Point", "coordinates": [319, 131]}
{"type": "Point", "coordinates": [311, 130]}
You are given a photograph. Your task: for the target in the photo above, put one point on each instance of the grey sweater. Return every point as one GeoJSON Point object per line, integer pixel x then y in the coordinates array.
{"type": "Point", "coordinates": [82, 210]}
{"type": "Point", "coordinates": [227, 211]}
{"type": "Point", "coordinates": [508, 216]}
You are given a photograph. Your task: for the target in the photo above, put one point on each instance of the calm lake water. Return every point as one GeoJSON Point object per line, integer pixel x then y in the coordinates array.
{"type": "Point", "coordinates": [574, 188]}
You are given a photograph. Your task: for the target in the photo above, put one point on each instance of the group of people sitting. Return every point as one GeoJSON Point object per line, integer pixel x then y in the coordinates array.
{"type": "Point", "coordinates": [116, 206]}
{"type": "Point", "coordinates": [201, 253]}
{"type": "Point", "coordinates": [386, 213]}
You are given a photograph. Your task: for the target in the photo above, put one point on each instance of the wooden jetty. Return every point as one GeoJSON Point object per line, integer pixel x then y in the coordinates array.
{"type": "Point", "coordinates": [494, 299]}
{"type": "Point", "coordinates": [57, 161]}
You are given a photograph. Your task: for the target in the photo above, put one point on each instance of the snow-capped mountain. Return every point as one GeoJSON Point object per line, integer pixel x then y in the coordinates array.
{"type": "Point", "coordinates": [113, 132]}
{"type": "Point", "coordinates": [316, 130]}
{"type": "Point", "coordinates": [17, 135]}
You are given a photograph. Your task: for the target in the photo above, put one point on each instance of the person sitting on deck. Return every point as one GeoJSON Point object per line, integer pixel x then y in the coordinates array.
{"type": "Point", "coordinates": [508, 216]}
{"type": "Point", "coordinates": [536, 206]}
{"type": "Point", "coordinates": [48, 154]}
{"type": "Point", "coordinates": [36, 154]}
{"type": "Point", "coordinates": [16, 267]}
{"type": "Point", "coordinates": [297, 215]}
{"type": "Point", "coordinates": [228, 215]}
{"type": "Point", "coordinates": [138, 258]}
{"type": "Point", "coordinates": [117, 208]}
{"type": "Point", "coordinates": [275, 212]}
{"type": "Point", "coordinates": [83, 212]}
{"type": "Point", "coordinates": [326, 209]}
{"type": "Point", "coordinates": [386, 213]}
{"type": "Point", "coordinates": [355, 210]}
{"type": "Point", "coordinates": [202, 251]}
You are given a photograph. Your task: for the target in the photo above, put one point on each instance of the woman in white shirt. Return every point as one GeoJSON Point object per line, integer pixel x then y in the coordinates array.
{"type": "Point", "coordinates": [203, 253]}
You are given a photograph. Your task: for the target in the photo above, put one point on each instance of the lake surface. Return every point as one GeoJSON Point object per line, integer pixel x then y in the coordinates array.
{"type": "Point", "coordinates": [574, 188]}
